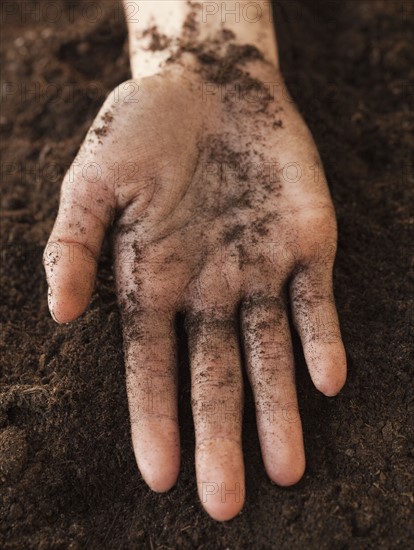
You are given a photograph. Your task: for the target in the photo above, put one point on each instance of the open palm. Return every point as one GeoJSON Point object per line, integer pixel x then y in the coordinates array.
{"type": "Point", "coordinates": [221, 212]}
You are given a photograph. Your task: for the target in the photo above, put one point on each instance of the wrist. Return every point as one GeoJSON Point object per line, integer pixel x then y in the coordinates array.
{"type": "Point", "coordinates": [197, 34]}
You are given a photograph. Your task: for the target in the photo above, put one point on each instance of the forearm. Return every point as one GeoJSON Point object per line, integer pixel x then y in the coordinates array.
{"type": "Point", "coordinates": [165, 30]}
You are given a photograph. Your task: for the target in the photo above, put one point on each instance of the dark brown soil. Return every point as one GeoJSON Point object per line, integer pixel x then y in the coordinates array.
{"type": "Point", "coordinates": [68, 478]}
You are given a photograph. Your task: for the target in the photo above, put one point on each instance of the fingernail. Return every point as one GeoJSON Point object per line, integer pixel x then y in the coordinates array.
{"type": "Point", "coordinates": [50, 304]}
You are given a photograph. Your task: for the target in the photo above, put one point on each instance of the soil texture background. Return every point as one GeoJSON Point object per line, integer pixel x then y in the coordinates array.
{"type": "Point", "coordinates": [68, 478]}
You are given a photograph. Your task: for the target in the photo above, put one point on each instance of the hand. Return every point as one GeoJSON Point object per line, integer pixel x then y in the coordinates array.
{"type": "Point", "coordinates": [222, 212]}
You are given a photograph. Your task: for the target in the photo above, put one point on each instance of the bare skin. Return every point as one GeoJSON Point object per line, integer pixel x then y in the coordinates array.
{"type": "Point", "coordinates": [220, 210]}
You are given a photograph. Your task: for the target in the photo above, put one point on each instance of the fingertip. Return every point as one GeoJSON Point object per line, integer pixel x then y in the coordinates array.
{"type": "Point", "coordinates": [50, 305]}
{"type": "Point", "coordinates": [160, 475]}
{"type": "Point", "coordinates": [220, 475]}
{"type": "Point", "coordinates": [70, 286]}
{"type": "Point", "coordinates": [158, 458]}
{"type": "Point", "coordinates": [329, 388]}
{"type": "Point", "coordinates": [329, 376]}
{"type": "Point", "coordinates": [287, 478]}
{"type": "Point", "coordinates": [287, 471]}
{"type": "Point", "coordinates": [221, 500]}
{"type": "Point", "coordinates": [66, 308]}
{"type": "Point", "coordinates": [161, 485]}
{"type": "Point", "coordinates": [223, 511]}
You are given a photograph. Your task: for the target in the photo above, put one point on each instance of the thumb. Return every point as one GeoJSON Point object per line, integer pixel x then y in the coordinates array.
{"type": "Point", "coordinates": [87, 204]}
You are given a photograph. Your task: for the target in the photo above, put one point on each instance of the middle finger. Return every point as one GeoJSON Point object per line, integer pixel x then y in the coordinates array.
{"type": "Point", "coordinates": [217, 389]}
